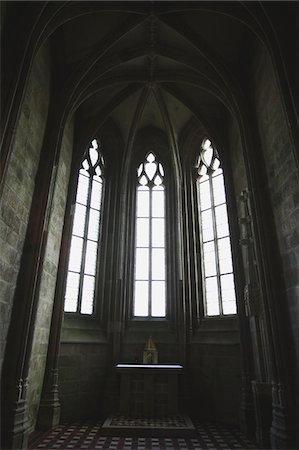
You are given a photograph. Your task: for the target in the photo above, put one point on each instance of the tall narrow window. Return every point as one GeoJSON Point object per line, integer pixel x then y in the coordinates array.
{"type": "Point", "coordinates": [81, 275]}
{"type": "Point", "coordinates": [150, 282]}
{"type": "Point", "coordinates": [219, 287]}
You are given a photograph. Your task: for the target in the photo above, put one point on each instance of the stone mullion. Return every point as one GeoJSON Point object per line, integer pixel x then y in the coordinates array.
{"type": "Point", "coordinates": [20, 335]}
{"type": "Point", "coordinates": [85, 239]}
{"type": "Point", "coordinates": [109, 210]}
{"type": "Point", "coordinates": [150, 252]}
{"type": "Point", "coordinates": [216, 243]}
{"type": "Point", "coordinates": [197, 256]}
{"type": "Point", "coordinates": [190, 254]}
{"type": "Point", "coordinates": [118, 271]}
{"type": "Point", "coordinates": [190, 275]}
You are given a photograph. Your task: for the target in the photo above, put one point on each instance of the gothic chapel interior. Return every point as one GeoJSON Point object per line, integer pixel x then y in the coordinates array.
{"type": "Point", "coordinates": [150, 187]}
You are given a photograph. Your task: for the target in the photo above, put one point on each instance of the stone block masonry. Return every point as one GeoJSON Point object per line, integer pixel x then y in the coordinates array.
{"type": "Point", "coordinates": [282, 177]}
{"type": "Point", "coordinates": [48, 281]}
{"type": "Point", "coordinates": [19, 183]}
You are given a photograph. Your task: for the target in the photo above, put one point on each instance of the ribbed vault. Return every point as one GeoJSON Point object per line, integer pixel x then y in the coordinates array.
{"type": "Point", "coordinates": [147, 64]}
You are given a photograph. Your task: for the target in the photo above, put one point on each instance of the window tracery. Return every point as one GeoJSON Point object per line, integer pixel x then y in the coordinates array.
{"type": "Point", "coordinates": [82, 266]}
{"type": "Point", "coordinates": [150, 271]}
{"type": "Point", "coordinates": [217, 266]}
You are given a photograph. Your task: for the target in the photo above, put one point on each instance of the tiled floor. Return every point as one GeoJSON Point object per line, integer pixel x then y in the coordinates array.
{"type": "Point", "coordinates": [175, 421]}
{"type": "Point", "coordinates": [89, 436]}
{"type": "Point", "coordinates": [178, 425]}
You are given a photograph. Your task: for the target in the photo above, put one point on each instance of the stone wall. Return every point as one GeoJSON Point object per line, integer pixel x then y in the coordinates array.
{"type": "Point", "coordinates": [82, 380]}
{"type": "Point", "coordinates": [19, 183]}
{"type": "Point", "coordinates": [84, 360]}
{"type": "Point", "coordinates": [138, 332]}
{"type": "Point", "coordinates": [236, 158]}
{"type": "Point", "coordinates": [48, 280]}
{"type": "Point", "coordinates": [282, 178]}
{"type": "Point", "coordinates": [214, 376]}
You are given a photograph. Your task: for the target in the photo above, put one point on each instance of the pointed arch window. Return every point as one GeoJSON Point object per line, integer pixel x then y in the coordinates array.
{"type": "Point", "coordinates": [82, 266]}
{"type": "Point", "coordinates": [150, 271]}
{"type": "Point", "coordinates": [217, 267]}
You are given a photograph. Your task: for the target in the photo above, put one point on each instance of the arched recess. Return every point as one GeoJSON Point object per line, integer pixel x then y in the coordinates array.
{"type": "Point", "coordinates": [152, 140]}
{"type": "Point", "coordinates": [96, 332]}
{"type": "Point", "coordinates": [250, 138]}
{"type": "Point", "coordinates": [204, 351]}
{"type": "Point", "coordinates": [258, 325]}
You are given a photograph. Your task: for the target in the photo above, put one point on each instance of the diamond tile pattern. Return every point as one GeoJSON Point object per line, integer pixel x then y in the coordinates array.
{"type": "Point", "coordinates": [79, 436]}
{"type": "Point", "coordinates": [177, 421]}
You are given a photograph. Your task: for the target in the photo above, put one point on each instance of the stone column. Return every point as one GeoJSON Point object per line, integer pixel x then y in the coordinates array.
{"type": "Point", "coordinates": [272, 402]}
{"type": "Point", "coordinates": [49, 408]}
{"type": "Point", "coordinates": [263, 412]}
{"type": "Point", "coordinates": [283, 427]}
{"type": "Point", "coordinates": [21, 331]}
{"type": "Point", "coordinates": [245, 309]}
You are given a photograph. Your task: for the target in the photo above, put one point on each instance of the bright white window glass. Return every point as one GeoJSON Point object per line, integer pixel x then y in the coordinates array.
{"type": "Point", "coordinates": [143, 180]}
{"type": "Point", "coordinates": [218, 190]}
{"type": "Point", "coordinates": [141, 298]}
{"type": "Point", "coordinates": [225, 257]}
{"type": "Point", "coordinates": [217, 172]}
{"type": "Point", "coordinates": [82, 190]}
{"type": "Point", "coordinates": [207, 225]}
{"type": "Point", "coordinates": [208, 155]}
{"type": "Point", "coordinates": [150, 241]}
{"type": "Point", "coordinates": [93, 225]}
{"type": "Point", "coordinates": [150, 168]}
{"type": "Point", "coordinates": [205, 196]}
{"type": "Point", "coordinates": [221, 221]}
{"type": "Point", "coordinates": [158, 264]}
{"type": "Point", "coordinates": [143, 203]}
{"type": "Point", "coordinates": [229, 307]}
{"type": "Point", "coordinates": [139, 170]}
{"type": "Point", "coordinates": [218, 276]}
{"type": "Point", "coordinates": [85, 168]}
{"type": "Point", "coordinates": [158, 299]}
{"type": "Point", "coordinates": [158, 233]}
{"type": "Point", "coordinates": [96, 194]}
{"type": "Point", "coordinates": [158, 180]}
{"type": "Point", "coordinates": [142, 232]}
{"type": "Point", "coordinates": [227, 287]}
{"type": "Point", "coordinates": [212, 299]}
{"type": "Point", "coordinates": [161, 170]}
{"type": "Point", "coordinates": [158, 202]}
{"type": "Point", "coordinates": [75, 254]}
{"type": "Point", "coordinates": [228, 294]}
{"type": "Point", "coordinates": [79, 294]}
{"type": "Point", "coordinates": [87, 295]}
{"type": "Point", "coordinates": [91, 258]}
{"type": "Point", "coordinates": [142, 264]}
{"type": "Point", "coordinates": [93, 155]}
{"type": "Point", "coordinates": [209, 259]}
{"type": "Point", "coordinates": [79, 220]}
{"type": "Point", "coordinates": [71, 293]}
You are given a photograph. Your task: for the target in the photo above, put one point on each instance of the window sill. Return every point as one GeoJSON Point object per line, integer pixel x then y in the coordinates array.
{"type": "Point", "coordinates": [149, 325]}
{"type": "Point", "coordinates": [149, 319]}
{"type": "Point", "coordinates": [81, 329]}
{"type": "Point", "coordinates": [218, 329]}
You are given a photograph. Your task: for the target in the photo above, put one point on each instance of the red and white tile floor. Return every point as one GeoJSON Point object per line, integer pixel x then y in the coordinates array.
{"type": "Point", "coordinates": [207, 436]}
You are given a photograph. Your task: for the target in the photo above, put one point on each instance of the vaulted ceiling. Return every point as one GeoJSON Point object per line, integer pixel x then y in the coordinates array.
{"type": "Point", "coordinates": [158, 64]}
{"type": "Point", "coordinates": [164, 64]}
